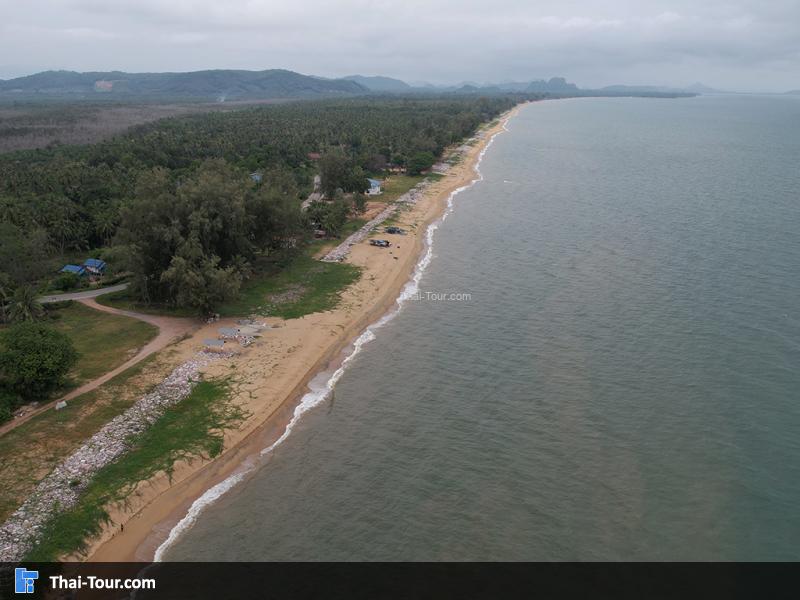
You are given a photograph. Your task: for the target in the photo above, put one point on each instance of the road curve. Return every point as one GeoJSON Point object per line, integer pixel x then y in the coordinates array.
{"type": "Point", "coordinates": [169, 329]}
{"type": "Point", "coordinates": [82, 295]}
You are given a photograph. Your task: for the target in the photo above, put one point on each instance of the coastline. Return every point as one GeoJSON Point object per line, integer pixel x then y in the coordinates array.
{"type": "Point", "coordinates": [272, 378]}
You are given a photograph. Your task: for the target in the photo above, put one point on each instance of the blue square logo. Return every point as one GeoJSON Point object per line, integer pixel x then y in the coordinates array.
{"type": "Point", "coordinates": [23, 580]}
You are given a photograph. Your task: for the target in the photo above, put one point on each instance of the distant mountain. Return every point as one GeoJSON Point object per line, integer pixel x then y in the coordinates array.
{"type": "Point", "coordinates": [380, 84]}
{"type": "Point", "coordinates": [554, 85]}
{"type": "Point", "coordinates": [205, 85]}
{"type": "Point", "coordinates": [793, 92]}
{"type": "Point", "coordinates": [702, 89]}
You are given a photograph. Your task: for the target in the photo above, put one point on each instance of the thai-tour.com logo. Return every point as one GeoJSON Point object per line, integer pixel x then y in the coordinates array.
{"type": "Point", "coordinates": [24, 580]}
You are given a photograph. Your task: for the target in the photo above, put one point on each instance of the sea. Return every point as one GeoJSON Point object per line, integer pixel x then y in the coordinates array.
{"type": "Point", "coordinates": [598, 359]}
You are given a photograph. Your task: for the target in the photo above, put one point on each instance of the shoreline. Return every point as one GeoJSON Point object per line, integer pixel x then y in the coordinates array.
{"type": "Point", "coordinates": [275, 378]}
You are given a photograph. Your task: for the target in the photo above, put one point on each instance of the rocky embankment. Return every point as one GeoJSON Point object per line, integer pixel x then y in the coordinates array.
{"type": "Point", "coordinates": [61, 489]}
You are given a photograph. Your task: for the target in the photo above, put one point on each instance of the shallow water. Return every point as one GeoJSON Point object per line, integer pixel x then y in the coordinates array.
{"type": "Point", "coordinates": [621, 379]}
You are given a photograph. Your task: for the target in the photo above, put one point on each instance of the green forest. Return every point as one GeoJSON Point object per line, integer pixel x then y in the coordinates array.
{"type": "Point", "coordinates": [187, 205]}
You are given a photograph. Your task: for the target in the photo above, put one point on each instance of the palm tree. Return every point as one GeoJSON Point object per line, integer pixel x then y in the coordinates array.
{"type": "Point", "coordinates": [6, 292]}
{"type": "Point", "coordinates": [25, 305]}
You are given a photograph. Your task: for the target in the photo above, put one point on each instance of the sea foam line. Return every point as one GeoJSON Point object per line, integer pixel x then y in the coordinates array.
{"type": "Point", "coordinates": [314, 397]}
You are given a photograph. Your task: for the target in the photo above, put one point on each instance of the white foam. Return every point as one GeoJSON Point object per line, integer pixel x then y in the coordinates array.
{"type": "Point", "coordinates": [318, 393]}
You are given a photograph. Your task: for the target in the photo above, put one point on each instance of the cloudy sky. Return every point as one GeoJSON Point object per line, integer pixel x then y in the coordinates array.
{"type": "Point", "coordinates": [751, 45]}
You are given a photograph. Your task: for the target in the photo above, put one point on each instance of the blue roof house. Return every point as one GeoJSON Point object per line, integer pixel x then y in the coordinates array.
{"type": "Point", "coordinates": [95, 266]}
{"type": "Point", "coordinates": [77, 269]}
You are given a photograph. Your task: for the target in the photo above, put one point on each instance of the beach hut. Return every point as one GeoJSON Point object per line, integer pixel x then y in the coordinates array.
{"type": "Point", "coordinates": [213, 345]}
{"type": "Point", "coordinates": [249, 330]}
{"type": "Point", "coordinates": [227, 333]}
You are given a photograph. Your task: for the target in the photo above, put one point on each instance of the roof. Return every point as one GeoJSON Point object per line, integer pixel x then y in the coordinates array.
{"type": "Point", "coordinates": [214, 343]}
{"type": "Point", "coordinates": [78, 270]}
{"type": "Point", "coordinates": [229, 331]}
{"type": "Point", "coordinates": [94, 263]}
{"type": "Point", "coordinates": [374, 182]}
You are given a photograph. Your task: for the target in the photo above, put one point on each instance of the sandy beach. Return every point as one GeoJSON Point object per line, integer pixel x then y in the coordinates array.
{"type": "Point", "coordinates": [271, 376]}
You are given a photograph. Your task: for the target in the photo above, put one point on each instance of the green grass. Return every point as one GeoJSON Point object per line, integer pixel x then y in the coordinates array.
{"type": "Point", "coordinates": [192, 428]}
{"type": "Point", "coordinates": [302, 287]}
{"type": "Point", "coordinates": [124, 300]}
{"type": "Point", "coordinates": [397, 185]}
{"type": "Point", "coordinates": [103, 341]}
{"type": "Point", "coordinates": [351, 227]}
{"type": "Point", "coordinates": [31, 450]}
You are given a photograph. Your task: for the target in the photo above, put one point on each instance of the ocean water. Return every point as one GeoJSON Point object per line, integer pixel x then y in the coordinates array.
{"type": "Point", "coordinates": [616, 375]}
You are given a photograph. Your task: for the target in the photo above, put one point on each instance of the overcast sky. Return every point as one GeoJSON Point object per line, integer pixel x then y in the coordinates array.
{"type": "Point", "coordinates": [749, 45]}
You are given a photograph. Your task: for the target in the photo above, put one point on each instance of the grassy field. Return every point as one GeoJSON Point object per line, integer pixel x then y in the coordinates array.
{"type": "Point", "coordinates": [397, 185]}
{"type": "Point", "coordinates": [192, 428]}
{"type": "Point", "coordinates": [303, 287]}
{"type": "Point", "coordinates": [123, 300]}
{"type": "Point", "coordinates": [103, 341]}
{"type": "Point", "coordinates": [30, 451]}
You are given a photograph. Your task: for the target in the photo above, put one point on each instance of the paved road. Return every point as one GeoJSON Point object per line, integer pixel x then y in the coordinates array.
{"type": "Point", "coordinates": [83, 295]}
{"type": "Point", "coordinates": [314, 196]}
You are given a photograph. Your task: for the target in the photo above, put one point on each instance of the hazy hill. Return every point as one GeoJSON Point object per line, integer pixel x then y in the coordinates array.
{"type": "Point", "coordinates": [204, 85]}
{"type": "Point", "coordinates": [380, 84]}
{"type": "Point", "coordinates": [554, 85]}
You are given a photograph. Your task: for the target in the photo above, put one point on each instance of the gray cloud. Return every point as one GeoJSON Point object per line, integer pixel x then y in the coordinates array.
{"type": "Point", "coordinates": [741, 44]}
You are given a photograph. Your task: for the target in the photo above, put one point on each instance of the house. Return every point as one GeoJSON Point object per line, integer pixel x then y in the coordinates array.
{"type": "Point", "coordinates": [314, 156]}
{"type": "Point", "coordinates": [257, 176]}
{"type": "Point", "coordinates": [95, 266]}
{"type": "Point", "coordinates": [76, 269]}
{"type": "Point", "coordinates": [374, 187]}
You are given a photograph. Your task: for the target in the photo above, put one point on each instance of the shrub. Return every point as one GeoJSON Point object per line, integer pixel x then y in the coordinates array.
{"type": "Point", "coordinates": [8, 402]}
{"type": "Point", "coordinates": [34, 359]}
{"type": "Point", "coordinates": [66, 282]}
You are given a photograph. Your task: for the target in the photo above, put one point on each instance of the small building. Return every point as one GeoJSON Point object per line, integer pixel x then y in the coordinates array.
{"type": "Point", "coordinates": [257, 176]}
{"type": "Point", "coordinates": [95, 266]}
{"type": "Point", "coordinates": [374, 187]}
{"type": "Point", "coordinates": [76, 269]}
{"type": "Point", "coordinates": [314, 156]}
{"type": "Point", "coordinates": [228, 333]}
{"type": "Point", "coordinates": [213, 345]}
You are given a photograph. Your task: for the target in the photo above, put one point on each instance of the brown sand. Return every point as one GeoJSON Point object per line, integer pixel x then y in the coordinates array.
{"type": "Point", "coordinates": [272, 375]}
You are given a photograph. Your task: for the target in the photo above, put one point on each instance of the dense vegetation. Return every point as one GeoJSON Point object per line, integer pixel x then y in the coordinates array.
{"type": "Point", "coordinates": [34, 359]}
{"type": "Point", "coordinates": [174, 200]}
